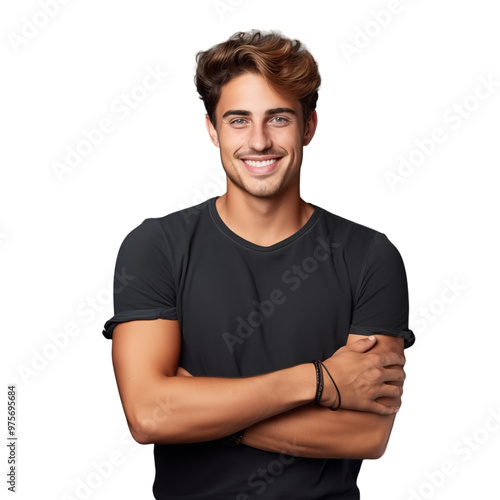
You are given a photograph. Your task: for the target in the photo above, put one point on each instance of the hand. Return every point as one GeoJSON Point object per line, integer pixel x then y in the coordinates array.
{"type": "Point", "coordinates": [362, 377]}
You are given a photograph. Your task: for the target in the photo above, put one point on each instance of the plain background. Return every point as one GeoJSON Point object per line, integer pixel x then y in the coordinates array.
{"type": "Point", "coordinates": [418, 69]}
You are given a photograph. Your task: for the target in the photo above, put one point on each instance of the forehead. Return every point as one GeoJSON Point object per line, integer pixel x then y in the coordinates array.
{"type": "Point", "coordinates": [252, 92]}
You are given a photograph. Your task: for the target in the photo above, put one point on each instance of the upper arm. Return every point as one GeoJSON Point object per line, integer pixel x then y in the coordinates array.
{"type": "Point", "coordinates": [385, 343]}
{"type": "Point", "coordinates": [144, 285]}
{"type": "Point", "coordinates": [381, 297]}
{"type": "Point", "coordinates": [143, 352]}
{"type": "Point", "coordinates": [382, 425]}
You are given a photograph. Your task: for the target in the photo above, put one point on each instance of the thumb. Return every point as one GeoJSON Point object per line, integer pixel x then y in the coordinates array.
{"type": "Point", "coordinates": [362, 345]}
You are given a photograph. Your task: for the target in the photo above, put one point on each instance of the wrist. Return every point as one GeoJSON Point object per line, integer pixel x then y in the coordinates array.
{"type": "Point", "coordinates": [306, 382]}
{"type": "Point", "coordinates": [335, 405]}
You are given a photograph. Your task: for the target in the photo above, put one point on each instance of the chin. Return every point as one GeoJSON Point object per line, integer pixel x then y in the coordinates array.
{"type": "Point", "coordinates": [263, 191]}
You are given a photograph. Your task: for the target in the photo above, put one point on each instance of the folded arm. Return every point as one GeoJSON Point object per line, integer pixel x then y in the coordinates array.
{"type": "Point", "coordinates": [161, 407]}
{"type": "Point", "coordinates": [317, 432]}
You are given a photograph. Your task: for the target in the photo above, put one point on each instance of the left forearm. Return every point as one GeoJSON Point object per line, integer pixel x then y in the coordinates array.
{"type": "Point", "coordinates": [317, 432]}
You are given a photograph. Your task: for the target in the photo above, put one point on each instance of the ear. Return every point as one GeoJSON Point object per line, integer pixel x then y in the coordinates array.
{"type": "Point", "coordinates": [310, 128]}
{"type": "Point", "coordinates": [211, 131]}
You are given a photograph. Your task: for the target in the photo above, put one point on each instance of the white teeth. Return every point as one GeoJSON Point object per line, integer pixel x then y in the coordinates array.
{"type": "Point", "coordinates": [260, 163]}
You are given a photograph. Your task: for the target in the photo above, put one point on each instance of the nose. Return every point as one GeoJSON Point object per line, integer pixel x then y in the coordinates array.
{"type": "Point", "coordinates": [259, 138]}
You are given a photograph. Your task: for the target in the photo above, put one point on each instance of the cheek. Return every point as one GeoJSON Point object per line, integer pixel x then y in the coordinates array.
{"type": "Point", "coordinates": [230, 144]}
{"type": "Point", "coordinates": [289, 139]}
{"type": "Point", "coordinates": [293, 145]}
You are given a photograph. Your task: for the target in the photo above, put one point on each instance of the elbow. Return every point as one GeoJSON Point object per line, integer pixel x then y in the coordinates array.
{"type": "Point", "coordinates": [139, 430]}
{"type": "Point", "coordinates": [369, 445]}
{"type": "Point", "coordinates": [140, 426]}
{"type": "Point", "coordinates": [153, 425]}
{"type": "Point", "coordinates": [376, 452]}
{"type": "Point", "coordinates": [378, 445]}
{"type": "Point", "coordinates": [140, 438]}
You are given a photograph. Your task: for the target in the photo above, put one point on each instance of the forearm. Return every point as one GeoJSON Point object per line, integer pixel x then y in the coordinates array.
{"type": "Point", "coordinates": [163, 406]}
{"type": "Point", "coordinates": [317, 432]}
{"type": "Point", "coordinates": [192, 409]}
{"type": "Point", "coordinates": [320, 433]}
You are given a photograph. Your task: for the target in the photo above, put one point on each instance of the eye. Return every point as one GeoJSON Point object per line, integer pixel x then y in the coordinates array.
{"type": "Point", "coordinates": [238, 121]}
{"type": "Point", "coordinates": [280, 120]}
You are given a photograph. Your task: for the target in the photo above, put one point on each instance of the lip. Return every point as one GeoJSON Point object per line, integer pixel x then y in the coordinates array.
{"type": "Point", "coordinates": [261, 170]}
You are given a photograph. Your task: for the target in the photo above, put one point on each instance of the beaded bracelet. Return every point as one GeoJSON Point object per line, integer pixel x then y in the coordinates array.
{"type": "Point", "coordinates": [319, 382]}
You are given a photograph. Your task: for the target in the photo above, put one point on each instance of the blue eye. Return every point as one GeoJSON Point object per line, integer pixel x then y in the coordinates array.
{"type": "Point", "coordinates": [280, 120]}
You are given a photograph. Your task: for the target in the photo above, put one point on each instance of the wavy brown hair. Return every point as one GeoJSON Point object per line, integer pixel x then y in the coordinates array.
{"type": "Point", "coordinates": [286, 64]}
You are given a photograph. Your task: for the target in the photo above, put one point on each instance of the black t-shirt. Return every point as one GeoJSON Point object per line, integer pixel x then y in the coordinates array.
{"type": "Point", "coordinates": [245, 310]}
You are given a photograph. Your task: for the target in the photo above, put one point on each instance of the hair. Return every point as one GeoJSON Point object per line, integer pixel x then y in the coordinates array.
{"type": "Point", "coordinates": [286, 64]}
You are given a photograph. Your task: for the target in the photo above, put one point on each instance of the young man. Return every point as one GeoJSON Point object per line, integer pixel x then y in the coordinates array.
{"type": "Point", "coordinates": [232, 300]}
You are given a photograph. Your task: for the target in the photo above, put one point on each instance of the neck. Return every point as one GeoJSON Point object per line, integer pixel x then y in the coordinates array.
{"type": "Point", "coordinates": [263, 221]}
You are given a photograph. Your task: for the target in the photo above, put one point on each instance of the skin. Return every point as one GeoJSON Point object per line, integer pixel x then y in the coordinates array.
{"type": "Point", "coordinates": [163, 403]}
{"type": "Point", "coordinates": [262, 208]}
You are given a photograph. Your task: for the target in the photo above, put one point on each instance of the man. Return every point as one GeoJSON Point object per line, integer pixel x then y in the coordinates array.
{"type": "Point", "coordinates": [232, 300]}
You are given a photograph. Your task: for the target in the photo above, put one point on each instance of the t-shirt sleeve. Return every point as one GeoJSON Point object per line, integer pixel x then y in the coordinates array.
{"type": "Point", "coordinates": [143, 286]}
{"type": "Point", "coordinates": [381, 299]}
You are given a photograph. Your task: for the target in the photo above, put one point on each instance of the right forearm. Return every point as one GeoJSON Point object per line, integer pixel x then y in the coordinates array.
{"type": "Point", "coordinates": [192, 409]}
{"type": "Point", "coordinates": [316, 432]}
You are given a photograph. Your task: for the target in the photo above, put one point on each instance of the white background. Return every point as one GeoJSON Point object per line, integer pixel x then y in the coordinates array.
{"type": "Point", "coordinates": [59, 234]}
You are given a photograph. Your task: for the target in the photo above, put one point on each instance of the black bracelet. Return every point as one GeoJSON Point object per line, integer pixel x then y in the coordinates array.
{"type": "Point", "coordinates": [319, 382]}
{"type": "Point", "coordinates": [338, 392]}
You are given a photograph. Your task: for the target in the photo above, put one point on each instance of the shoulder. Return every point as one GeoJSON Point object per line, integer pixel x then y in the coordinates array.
{"type": "Point", "coordinates": [169, 228]}
{"type": "Point", "coordinates": [358, 243]}
{"type": "Point", "coordinates": [349, 233]}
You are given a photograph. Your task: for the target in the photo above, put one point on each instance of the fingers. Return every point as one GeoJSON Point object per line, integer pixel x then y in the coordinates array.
{"type": "Point", "coordinates": [361, 345]}
{"type": "Point", "coordinates": [380, 409]}
{"type": "Point", "coordinates": [396, 374]}
{"type": "Point", "coordinates": [369, 380]}
{"type": "Point", "coordinates": [389, 391]}
{"type": "Point", "coordinates": [391, 358]}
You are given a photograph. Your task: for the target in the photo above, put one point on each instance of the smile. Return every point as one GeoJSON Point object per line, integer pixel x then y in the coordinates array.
{"type": "Point", "coordinates": [261, 167]}
{"type": "Point", "coordinates": [264, 163]}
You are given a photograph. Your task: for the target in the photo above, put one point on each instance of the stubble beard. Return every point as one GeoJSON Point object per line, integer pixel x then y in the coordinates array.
{"type": "Point", "coordinates": [263, 187]}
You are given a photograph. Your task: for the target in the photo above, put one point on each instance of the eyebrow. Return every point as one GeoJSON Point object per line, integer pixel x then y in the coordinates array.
{"type": "Point", "coordinates": [244, 112]}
